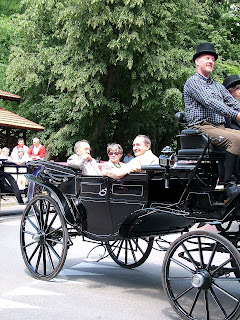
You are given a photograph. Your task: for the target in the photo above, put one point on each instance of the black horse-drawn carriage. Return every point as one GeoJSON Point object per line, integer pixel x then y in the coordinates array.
{"type": "Point", "coordinates": [130, 216]}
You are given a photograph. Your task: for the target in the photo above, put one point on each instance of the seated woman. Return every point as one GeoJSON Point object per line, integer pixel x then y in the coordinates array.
{"type": "Point", "coordinates": [115, 152]}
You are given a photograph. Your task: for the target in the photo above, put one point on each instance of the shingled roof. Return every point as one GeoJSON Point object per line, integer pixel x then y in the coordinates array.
{"type": "Point", "coordinates": [12, 120]}
{"type": "Point", "coordinates": [9, 96]}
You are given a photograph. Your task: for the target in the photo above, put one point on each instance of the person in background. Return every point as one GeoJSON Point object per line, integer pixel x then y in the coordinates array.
{"type": "Point", "coordinates": [128, 157]}
{"type": "Point", "coordinates": [143, 156]}
{"type": "Point", "coordinates": [83, 160]}
{"type": "Point", "coordinates": [20, 145]}
{"type": "Point", "coordinates": [5, 153]}
{"type": "Point", "coordinates": [36, 151]}
{"type": "Point", "coordinates": [20, 158]}
{"type": "Point", "coordinates": [115, 152]}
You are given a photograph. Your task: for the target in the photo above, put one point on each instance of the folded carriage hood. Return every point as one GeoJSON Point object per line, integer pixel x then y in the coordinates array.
{"type": "Point", "coordinates": [154, 222]}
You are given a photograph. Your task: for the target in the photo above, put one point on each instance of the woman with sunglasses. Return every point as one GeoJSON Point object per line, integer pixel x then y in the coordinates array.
{"type": "Point", "coordinates": [115, 152]}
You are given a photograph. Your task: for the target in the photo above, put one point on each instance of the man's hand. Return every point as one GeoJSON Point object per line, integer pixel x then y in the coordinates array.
{"type": "Point", "coordinates": [88, 157]}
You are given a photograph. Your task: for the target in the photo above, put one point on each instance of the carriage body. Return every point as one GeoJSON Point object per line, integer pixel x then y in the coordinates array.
{"type": "Point", "coordinates": [201, 269]}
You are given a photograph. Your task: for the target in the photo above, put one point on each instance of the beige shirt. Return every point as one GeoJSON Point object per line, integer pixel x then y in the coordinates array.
{"type": "Point", "coordinates": [145, 159]}
{"type": "Point", "coordinates": [110, 165]}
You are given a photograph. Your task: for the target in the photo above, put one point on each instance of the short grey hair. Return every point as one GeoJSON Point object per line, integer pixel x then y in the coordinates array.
{"type": "Point", "coordinates": [77, 145]}
{"type": "Point", "coordinates": [146, 140]}
{"type": "Point", "coordinates": [114, 147]}
{"type": "Point", "coordinates": [5, 150]}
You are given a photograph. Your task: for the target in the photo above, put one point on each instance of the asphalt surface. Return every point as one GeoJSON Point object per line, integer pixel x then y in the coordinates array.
{"type": "Point", "coordinates": [10, 207]}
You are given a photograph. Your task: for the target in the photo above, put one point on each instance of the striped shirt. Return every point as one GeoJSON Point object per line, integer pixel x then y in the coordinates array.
{"type": "Point", "coordinates": [207, 100]}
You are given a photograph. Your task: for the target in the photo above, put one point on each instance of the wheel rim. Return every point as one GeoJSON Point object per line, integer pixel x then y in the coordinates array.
{"type": "Point", "coordinates": [43, 237]}
{"type": "Point", "coordinates": [130, 253]}
{"type": "Point", "coordinates": [200, 278]}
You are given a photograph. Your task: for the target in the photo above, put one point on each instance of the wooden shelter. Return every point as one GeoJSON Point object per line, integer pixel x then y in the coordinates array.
{"type": "Point", "coordinates": [13, 126]}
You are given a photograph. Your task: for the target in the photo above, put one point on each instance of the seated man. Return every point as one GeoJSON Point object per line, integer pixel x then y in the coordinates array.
{"type": "Point", "coordinates": [143, 156]}
{"type": "Point", "coordinates": [207, 103]}
{"type": "Point", "coordinates": [83, 160]}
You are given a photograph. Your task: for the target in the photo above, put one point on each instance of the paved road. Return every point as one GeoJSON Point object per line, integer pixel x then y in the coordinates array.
{"type": "Point", "coordinates": [83, 290]}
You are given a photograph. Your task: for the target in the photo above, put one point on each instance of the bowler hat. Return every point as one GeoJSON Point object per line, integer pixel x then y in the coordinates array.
{"type": "Point", "coordinates": [231, 81]}
{"type": "Point", "coordinates": [203, 48]}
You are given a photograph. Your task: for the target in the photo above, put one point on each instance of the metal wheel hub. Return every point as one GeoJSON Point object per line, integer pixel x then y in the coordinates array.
{"type": "Point", "coordinates": [201, 279]}
{"type": "Point", "coordinates": [39, 237]}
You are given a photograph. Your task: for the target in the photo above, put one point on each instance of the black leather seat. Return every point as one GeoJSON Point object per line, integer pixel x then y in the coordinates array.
{"type": "Point", "coordinates": [193, 143]}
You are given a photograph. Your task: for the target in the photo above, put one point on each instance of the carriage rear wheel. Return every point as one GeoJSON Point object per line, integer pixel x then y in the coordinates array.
{"type": "Point", "coordinates": [43, 237]}
{"type": "Point", "coordinates": [130, 253]}
{"type": "Point", "coordinates": [200, 278]}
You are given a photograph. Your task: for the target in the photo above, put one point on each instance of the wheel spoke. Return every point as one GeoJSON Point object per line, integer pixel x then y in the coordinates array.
{"type": "Point", "coordinates": [33, 254]}
{"type": "Point", "coordinates": [44, 260]}
{"type": "Point", "coordinates": [221, 266]}
{"type": "Point", "coordinates": [200, 252]}
{"type": "Point", "coordinates": [39, 258]}
{"type": "Point", "coordinates": [51, 223]}
{"type": "Point", "coordinates": [49, 257]}
{"type": "Point", "coordinates": [126, 251]}
{"type": "Point", "coordinates": [183, 293]}
{"type": "Point", "coordinates": [212, 255]}
{"type": "Point", "coordinates": [218, 302]}
{"type": "Point", "coordinates": [182, 265]}
{"type": "Point", "coordinates": [120, 248]}
{"type": "Point", "coordinates": [194, 301]}
{"type": "Point", "coordinates": [137, 246]}
{"type": "Point", "coordinates": [54, 240]}
{"type": "Point", "coordinates": [189, 256]}
{"type": "Point", "coordinates": [33, 224]}
{"type": "Point", "coordinates": [46, 218]}
{"type": "Point", "coordinates": [132, 250]}
{"type": "Point", "coordinates": [206, 304]}
{"type": "Point", "coordinates": [225, 292]}
{"type": "Point", "coordinates": [179, 278]}
{"type": "Point", "coordinates": [29, 244]}
{"type": "Point", "coordinates": [54, 251]}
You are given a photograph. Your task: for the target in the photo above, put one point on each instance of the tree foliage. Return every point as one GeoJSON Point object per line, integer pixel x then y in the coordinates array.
{"type": "Point", "coordinates": [107, 70]}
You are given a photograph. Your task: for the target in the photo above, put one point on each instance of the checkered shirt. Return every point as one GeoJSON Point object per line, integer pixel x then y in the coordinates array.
{"type": "Point", "coordinates": [207, 100]}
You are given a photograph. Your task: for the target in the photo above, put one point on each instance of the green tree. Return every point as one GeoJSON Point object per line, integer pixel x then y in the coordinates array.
{"type": "Point", "coordinates": [107, 70]}
{"type": "Point", "coordinates": [7, 31]}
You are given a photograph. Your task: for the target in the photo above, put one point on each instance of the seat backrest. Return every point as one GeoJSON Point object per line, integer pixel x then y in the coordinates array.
{"type": "Point", "coordinates": [193, 141]}
{"type": "Point", "coordinates": [180, 117]}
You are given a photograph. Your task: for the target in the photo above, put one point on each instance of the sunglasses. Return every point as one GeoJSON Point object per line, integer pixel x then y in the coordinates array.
{"type": "Point", "coordinates": [113, 153]}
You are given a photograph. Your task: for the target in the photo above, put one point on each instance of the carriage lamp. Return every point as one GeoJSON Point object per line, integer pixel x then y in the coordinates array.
{"type": "Point", "coordinates": [167, 159]}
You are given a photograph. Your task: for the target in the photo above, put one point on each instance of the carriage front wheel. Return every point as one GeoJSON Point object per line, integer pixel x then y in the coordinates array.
{"type": "Point", "coordinates": [130, 253]}
{"type": "Point", "coordinates": [200, 276]}
{"type": "Point", "coordinates": [43, 237]}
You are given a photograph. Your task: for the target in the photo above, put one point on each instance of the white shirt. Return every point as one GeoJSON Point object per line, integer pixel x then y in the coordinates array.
{"type": "Point", "coordinates": [89, 168]}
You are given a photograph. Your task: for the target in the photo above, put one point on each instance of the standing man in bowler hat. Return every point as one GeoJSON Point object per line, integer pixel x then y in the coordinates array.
{"type": "Point", "coordinates": [207, 103]}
